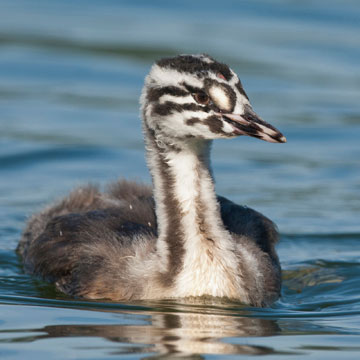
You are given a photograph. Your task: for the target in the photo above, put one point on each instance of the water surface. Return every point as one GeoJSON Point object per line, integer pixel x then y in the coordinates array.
{"type": "Point", "coordinates": [70, 76]}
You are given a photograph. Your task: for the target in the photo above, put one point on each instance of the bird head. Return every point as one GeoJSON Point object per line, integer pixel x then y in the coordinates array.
{"type": "Point", "coordinates": [194, 96]}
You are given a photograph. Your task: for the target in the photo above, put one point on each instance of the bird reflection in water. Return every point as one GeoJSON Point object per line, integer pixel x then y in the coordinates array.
{"type": "Point", "coordinates": [172, 333]}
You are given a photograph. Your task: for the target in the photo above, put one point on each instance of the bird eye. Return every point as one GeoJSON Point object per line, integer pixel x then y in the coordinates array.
{"type": "Point", "coordinates": [201, 98]}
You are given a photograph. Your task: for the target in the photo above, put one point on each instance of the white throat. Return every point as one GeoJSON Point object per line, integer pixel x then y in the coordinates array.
{"type": "Point", "coordinates": [196, 250]}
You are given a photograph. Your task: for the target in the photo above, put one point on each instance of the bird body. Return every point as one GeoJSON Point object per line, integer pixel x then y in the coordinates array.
{"type": "Point", "coordinates": [178, 239]}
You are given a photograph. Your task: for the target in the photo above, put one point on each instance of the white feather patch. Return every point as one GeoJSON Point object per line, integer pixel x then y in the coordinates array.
{"type": "Point", "coordinates": [210, 268]}
{"type": "Point", "coordinates": [176, 99]}
{"type": "Point", "coordinates": [220, 97]}
{"type": "Point", "coordinates": [171, 77]}
{"type": "Point", "coordinates": [228, 128]}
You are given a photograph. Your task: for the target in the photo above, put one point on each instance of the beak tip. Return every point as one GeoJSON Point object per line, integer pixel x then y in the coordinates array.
{"type": "Point", "coordinates": [283, 139]}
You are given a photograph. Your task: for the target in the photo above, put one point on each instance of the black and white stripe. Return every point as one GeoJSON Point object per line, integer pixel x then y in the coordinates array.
{"type": "Point", "coordinates": [192, 238]}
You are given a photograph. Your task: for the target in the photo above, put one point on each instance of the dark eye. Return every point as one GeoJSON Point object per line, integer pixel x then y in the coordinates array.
{"type": "Point", "coordinates": [201, 98]}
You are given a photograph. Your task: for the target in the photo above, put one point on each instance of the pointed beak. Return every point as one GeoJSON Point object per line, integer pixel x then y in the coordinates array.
{"type": "Point", "coordinates": [252, 125]}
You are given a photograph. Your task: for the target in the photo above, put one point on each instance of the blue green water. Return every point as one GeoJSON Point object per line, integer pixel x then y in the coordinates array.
{"type": "Point", "coordinates": [70, 76]}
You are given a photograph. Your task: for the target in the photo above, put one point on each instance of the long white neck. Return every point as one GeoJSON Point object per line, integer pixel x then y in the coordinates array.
{"type": "Point", "coordinates": [192, 244]}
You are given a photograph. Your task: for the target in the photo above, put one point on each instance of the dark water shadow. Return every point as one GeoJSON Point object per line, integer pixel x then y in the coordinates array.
{"type": "Point", "coordinates": [67, 45]}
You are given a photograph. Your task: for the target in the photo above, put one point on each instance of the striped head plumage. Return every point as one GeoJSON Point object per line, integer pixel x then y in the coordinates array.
{"type": "Point", "coordinates": [194, 96]}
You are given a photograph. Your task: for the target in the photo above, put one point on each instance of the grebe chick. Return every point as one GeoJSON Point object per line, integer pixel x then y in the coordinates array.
{"type": "Point", "coordinates": [179, 239]}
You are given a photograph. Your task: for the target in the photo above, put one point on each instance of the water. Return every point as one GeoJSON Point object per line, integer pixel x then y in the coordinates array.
{"type": "Point", "coordinates": [70, 77]}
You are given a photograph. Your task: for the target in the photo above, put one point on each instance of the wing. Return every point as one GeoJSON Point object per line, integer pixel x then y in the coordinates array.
{"type": "Point", "coordinates": [123, 195]}
{"type": "Point", "coordinates": [245, 221]}
{"type": "Point", "coordinates": [86, 252]}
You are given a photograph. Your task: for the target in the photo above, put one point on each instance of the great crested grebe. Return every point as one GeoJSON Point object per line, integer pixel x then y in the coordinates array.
{"type": "Point", "coordinates": [179, 239]}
